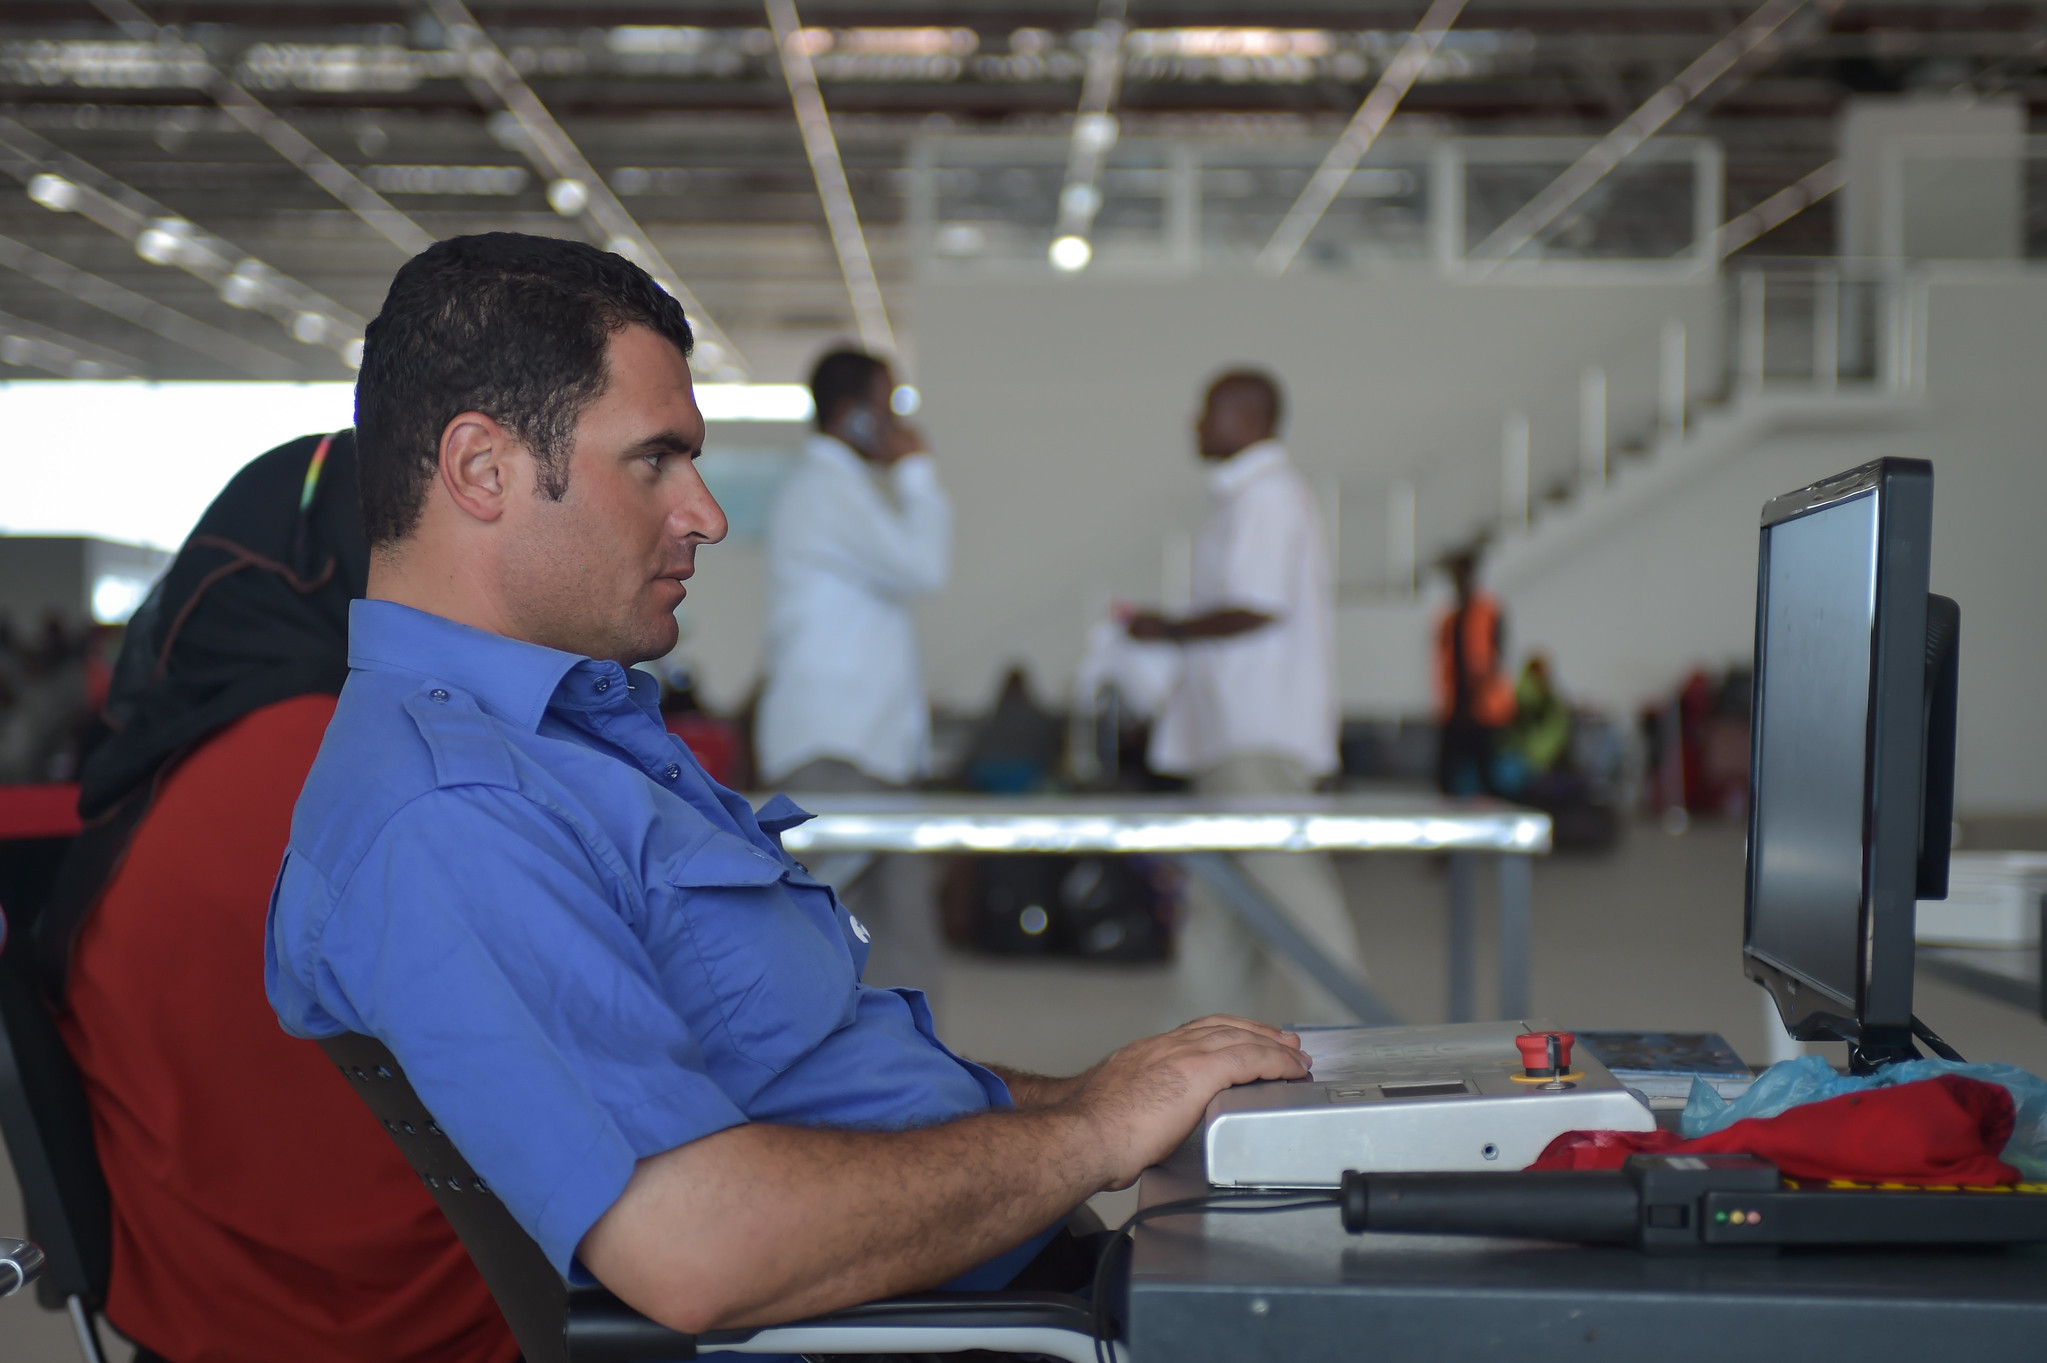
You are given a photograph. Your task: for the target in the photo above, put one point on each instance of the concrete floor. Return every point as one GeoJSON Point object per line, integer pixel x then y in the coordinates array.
{"type": "Point", "coordinates": [1648, 937]}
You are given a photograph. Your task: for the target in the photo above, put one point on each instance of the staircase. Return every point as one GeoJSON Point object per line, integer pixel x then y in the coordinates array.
{"type": "Point", "coordinates": [1819, 346]}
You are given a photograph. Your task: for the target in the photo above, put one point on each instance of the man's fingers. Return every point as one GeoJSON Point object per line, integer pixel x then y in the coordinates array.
{"type": "Point", "coordinates": [1248, 1062]}
{"type": "Point", "coordinates": [1230, 1020]}
{"type": "Point", "coordinates": [1229, 1034]}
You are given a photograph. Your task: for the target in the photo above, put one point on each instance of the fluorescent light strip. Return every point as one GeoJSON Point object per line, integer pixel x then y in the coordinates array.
{"type": "Point", "coordinates": [1357, 139]}
{"type": "Point", "coordinates": [577, 188]}
{"type": "Point", "coordinates": [1781, 207]}
{"type": "Point", "coordinates": [1529, 221]}
{"type": "Point", "coordinates": [870, 315]}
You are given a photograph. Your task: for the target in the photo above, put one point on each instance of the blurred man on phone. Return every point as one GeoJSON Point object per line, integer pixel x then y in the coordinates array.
{"type": "Point", "coordinates": [859, 531]}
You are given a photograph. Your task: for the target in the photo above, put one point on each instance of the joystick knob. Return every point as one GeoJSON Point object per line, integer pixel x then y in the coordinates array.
{"type": "Point", "coordinates": [1545, 1055]}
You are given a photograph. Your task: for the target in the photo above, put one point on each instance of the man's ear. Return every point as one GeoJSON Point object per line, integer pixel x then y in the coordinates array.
{"type": "Point", "coordinates": [477, 462]}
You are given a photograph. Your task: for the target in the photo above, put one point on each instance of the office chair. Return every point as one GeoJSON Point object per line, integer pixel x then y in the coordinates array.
{"type": "Point", "coordinates": [557, 1323]}
{"type": "Point", "coordinates": [48, 1129]}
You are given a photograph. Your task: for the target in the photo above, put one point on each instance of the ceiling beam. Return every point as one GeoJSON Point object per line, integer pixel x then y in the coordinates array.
{"type": "Point", "coordinates": [287, 141]}
{"type": "Point", "coordinates": [1357, 139]}
{"type": "Point", "coordinates": [1529, 221]}
{"type": "Point", "coordinates": [63, 183]}
{"type": "Point", "coordinates": [146, 313]}
{"type": "Point", "coordinates": [1781, 207]}
{"type": "Point", "coordinates": [870, 314]}
{"type": "Point", "coordinates": [30, 345]}
{"type": "Point", "coordinates": [576, 189]}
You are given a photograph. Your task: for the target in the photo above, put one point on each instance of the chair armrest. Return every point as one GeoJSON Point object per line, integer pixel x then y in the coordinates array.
{"type": "Point", "coordinates": [20, 1262]}
{"type": "Point", "coordinates": [602, 1329]}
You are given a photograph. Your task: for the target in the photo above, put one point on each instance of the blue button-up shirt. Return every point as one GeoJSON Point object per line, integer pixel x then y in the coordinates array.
{"type": "Point", "coordinates": [582, 949]}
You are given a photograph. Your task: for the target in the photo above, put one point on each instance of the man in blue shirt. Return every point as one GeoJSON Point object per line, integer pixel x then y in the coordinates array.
{"type": "Point", "coordinates": [637, 1017]}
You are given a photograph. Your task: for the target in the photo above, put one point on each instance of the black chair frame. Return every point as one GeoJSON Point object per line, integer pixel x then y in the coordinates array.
{"type": "Point", "coordinates": [43, 1113]}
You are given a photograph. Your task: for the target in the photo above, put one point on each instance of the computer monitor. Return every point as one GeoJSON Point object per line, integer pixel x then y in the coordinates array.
{"type": "Point", "coordinates": [1851, 773]}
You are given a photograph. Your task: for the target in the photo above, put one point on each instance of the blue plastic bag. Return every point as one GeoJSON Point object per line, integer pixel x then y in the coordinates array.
{"type": "Point", "coordinates": [1809, 1079]}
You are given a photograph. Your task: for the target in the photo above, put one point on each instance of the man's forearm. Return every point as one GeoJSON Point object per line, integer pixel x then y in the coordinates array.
{"type": "Point", "coordinates": [1029, 1091]}
{"type": "Point", "coordinates": [766, 1223]}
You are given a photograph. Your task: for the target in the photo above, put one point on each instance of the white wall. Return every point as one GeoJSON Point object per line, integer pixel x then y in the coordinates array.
{"type": "Point", "coordinates": [1061, 412]}
{"type": "Point", "coordinates": [1647, 597]}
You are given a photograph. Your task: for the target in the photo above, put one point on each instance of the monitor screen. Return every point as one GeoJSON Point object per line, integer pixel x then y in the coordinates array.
{"type": "Point", "coordinates": [1819, 604]}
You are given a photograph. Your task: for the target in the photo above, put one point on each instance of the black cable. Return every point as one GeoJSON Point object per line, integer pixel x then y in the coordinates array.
{"type": "Point", "coordinates": [1256, 1200]}
{"type": "Point", "coordinates": [1935, 1044]}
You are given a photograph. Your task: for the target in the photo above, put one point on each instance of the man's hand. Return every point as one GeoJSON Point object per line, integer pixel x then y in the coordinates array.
{"type": "Point", "coordinates": [900, 440]}
{"type": "Point", "coordinates": [1143, 1100]}
{"type": "Point", "coordinates": [1149, 625]}
{"type": "Point", "coordinates": [1218, 624]}
{"type": "Point", "coordinates": [759, 1223]}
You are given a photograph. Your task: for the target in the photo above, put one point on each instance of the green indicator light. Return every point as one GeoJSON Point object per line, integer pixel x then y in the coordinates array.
{"type": "Point", "coordinates": [1720, 1217]}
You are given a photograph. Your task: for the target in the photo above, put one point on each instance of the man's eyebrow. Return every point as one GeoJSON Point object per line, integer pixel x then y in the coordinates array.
{"type": "Point", "coordinates": [667, 442]}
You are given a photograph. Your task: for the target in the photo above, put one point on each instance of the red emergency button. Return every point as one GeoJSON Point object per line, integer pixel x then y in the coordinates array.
{"type": "Point", "coordinates": [1545, 1055]}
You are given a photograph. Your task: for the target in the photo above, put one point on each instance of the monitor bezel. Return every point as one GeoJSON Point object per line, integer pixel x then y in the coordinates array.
{"type": "Point", "coordinates": [1893, 773]}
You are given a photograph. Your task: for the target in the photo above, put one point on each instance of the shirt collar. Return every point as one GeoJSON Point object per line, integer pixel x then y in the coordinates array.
{"type": "Point", "coordinates": [1247, 464]}
{"type": "Point", "coordinates": [509, 677]}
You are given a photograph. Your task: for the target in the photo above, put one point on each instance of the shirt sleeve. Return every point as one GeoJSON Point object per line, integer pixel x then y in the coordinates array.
{"type": "Point", "coordinates": [1258, 552]}
{"type": "Point", "coordinates": [478, 940]}
{"type": "Point", "coordinates": [899, 550]}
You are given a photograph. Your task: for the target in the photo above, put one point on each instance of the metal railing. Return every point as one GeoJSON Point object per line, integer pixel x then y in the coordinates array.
{"type": "Point", "coordinates": [1791, 329]}
{"type": "Point", "coordinates": [980, 202]}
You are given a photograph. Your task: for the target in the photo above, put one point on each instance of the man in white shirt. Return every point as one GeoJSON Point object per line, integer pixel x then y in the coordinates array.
{"type": "Point", "coordinates": [1255, 709]}
{"type": "Point", "coordinates": [859, 530]}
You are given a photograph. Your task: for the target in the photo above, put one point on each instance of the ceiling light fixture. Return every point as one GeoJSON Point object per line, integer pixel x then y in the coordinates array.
{"type": "Point", "coordinates": [569, 198]}
{"type": "Point", "coordinates": [1071, 253]}
{"type": "Point", "coordinates": [1094, 133]}
{"type": "Point", "coordinates": [53, 192]}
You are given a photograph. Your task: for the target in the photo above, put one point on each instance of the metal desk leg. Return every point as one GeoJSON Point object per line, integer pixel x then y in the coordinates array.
{"type": "Point", "coordinates": [1251, 904]}
{"type": "Point", "coordinates": [1516, 871]}
{"type": "Point", "coordinates": [1463, 935]}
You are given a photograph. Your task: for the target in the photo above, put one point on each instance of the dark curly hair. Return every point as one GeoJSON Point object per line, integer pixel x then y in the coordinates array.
{"type": "Point", "coordinates": [509, 325]}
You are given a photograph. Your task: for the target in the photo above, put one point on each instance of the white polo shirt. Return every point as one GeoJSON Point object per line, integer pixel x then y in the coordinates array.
{"type": "Point", "coordinates": [850, 546]}
{"type": "Point", "coordinates": [1271, 689]}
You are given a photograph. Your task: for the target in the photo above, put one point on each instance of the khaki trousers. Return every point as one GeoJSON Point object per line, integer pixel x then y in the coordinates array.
{"type": "Point", "coordinates": [1222, 966]}
{"type": "Point", "coordinates": [896, 898]}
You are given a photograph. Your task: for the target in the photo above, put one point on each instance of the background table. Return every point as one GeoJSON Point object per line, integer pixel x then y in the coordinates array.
{"type": "Point", "coordinates": [850, 830]}
{"type": "Point", "coordinates": [1295, 1286]}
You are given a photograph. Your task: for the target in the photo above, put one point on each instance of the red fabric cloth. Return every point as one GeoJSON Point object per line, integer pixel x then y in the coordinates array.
{"type": "Point", "coordinates": [260, 1212]}
{"type": "Point", "coordinates": [1947, 1130]}
{"type": "Point", "coordinates": [713, 741]}
{"type": "Point", "coordinates": [39, 811]}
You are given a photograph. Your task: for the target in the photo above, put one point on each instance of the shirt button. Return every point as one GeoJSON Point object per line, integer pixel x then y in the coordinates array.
{"type": "Point", "coordinates": [438, 696]}
{"type": "Point", "coordinates": [603, 685]}
{"type": "Point", "coordinates": [674, 770]}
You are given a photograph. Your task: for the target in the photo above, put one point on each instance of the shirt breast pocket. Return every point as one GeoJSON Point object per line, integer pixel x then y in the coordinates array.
{"type": "Point", "coordinates": [777, 965]}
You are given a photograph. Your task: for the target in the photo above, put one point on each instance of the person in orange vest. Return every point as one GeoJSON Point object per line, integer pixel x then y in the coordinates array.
{"type": "Point", "coordinates": [1474, 698]}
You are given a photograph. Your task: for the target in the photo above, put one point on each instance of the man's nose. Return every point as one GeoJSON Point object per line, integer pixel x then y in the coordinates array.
{"type": "Point", "coordinates": [698, 515]}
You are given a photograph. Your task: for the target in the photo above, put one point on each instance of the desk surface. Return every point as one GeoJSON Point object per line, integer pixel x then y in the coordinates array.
{"type": "Point", "coordinates": [1294, 1285]}
{"type": "Point", "coordinates": [994, 823]}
